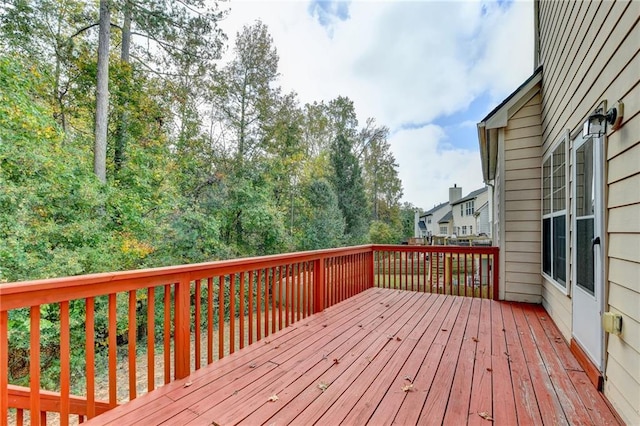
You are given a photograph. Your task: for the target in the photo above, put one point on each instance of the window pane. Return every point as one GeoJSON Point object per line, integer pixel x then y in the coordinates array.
{"type": "Point", "coordinates": [559, 178]}
{"type": "Point", "coordinates": [546, 187]}
{"type": "Point", "coordinates": [546, 245]}
{"type": "Point", "coordinates": [584, 179]}
{"type": "Point", "coordinates": [559, 249]}
{"type": "Point", "coordinates": [584, 256]}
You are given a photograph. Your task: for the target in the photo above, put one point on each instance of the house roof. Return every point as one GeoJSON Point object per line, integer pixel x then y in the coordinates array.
{"type": "Point", "coordinates": [498, 117]}
{"type": "Point", "coordinates": [433, 210]}
{"type": "Point", "coordinates": [470, 196]}
{"type": "Point", "coordinates": [446, 218]}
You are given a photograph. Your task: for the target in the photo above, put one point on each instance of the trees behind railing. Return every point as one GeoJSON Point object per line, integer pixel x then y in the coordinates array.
{"type": "Point", "coordinates": [72, 336]}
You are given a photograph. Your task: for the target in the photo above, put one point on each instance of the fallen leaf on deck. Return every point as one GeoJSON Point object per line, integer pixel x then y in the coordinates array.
{"type": "Point", "coordinates": [389, 337]}
{"type": "Point", "coordinates": [360, 325]}
{"type": "Point", "coordinates": [408, 388]}
{"type": "Point", "coordinates": [266, 342]}
{"type": "Point", "coordinates": [273, 398]}
{"type": "Point", "coordinates": [488, 369]}
{"type": "Point", "coordinates": [276, 347]}
{"type": "Point", "coordinates": [186, 385]}
{"type": "Point", "coordinates": [475, 339]}
{"type": "Point", "coordinates": [543, 318]}
{"type": "Point", "coordinates": [336, 361]}
{"type": "Point", "coordinates": [444, 329]}
{"type": "Point", "coordinates": [386, 306]}
{"type": "Point", "coordinates": [382, 316]}
{"type": "Point", "coordinates": [324, 325]}
{"type": "Point", "coordinates": [398, 339]}
{"type": "Point", "coordinates": [323, 386]}
{"type": "Point", "coordinates": [252, 365]}
{"type": "Point", "coordinates": [408, 378]}
{"type": "Point", "coordinates": [486, 416]}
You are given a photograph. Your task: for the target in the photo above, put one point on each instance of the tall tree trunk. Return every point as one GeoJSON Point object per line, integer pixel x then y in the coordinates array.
{"type": "Point", "coordinates": [102, 94]}
{"type": "Point", "coordinates": [123, 119]}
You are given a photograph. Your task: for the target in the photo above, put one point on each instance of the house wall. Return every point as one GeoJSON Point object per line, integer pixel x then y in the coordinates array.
{"type": "Point", "coordinates": [589, 51]}
{"type": "Point", "coordinates": [469, 221]}
{"type": "Point", "coordinates": [520, 195]}
{"type": "Point", "coordinates": [435, 216]}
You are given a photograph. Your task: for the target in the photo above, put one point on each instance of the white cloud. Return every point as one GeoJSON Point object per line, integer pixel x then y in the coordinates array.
{"type": "Point", "coordinates": [427, 171]}
{"type": "Point", "coordinates": [404, 62]}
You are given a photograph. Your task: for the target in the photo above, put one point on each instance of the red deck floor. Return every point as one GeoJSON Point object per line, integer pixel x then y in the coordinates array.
{"type": "Point", "coordinates": [388, 356]}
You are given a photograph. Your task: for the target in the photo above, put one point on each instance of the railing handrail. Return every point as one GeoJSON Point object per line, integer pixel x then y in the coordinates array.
{"type": "Point", "coordinates": [24, 294]}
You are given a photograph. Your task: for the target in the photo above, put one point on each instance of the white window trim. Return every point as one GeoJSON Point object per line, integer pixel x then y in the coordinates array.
{"type": "Point", "coordinates": [566, 137]}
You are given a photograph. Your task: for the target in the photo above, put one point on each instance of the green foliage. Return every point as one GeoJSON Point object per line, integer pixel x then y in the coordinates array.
{"type": "Point", "coordinates": [382, 233]}
{"type": "Point", "coordinates": [322, 223]}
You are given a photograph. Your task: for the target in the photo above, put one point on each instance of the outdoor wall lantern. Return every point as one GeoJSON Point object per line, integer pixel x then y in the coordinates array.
{"type": "Point", "coordinates": [596, 124]}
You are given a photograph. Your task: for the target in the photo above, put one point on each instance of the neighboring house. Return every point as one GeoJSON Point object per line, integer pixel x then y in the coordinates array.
{"type": "Point", "coordinates": [566, 203]}
{"type": "Point", "coordinates": [464, 210]}
{"type": "Point", "coordinates": [445, 225]}
{"type": "Point", "coordinates": [433, 216]}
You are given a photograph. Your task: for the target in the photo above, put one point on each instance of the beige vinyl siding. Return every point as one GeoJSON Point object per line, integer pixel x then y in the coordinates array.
{"type": "Point", "coordinates": [521, 203]}
{"type": "Point", "coordinates": [590, 53]}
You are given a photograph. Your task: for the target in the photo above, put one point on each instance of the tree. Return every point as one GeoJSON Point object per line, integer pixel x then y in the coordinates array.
{"type": "Point", "coordinates": [382, 184]}
{"type": "Point", "coordinates": [349, 187]}
{"type": "Point", "coordinates": [243, 94]}
{"type": "Point", "coordinates": [102, 94]}
{"type": "Point", "coordinates": [322, 224]}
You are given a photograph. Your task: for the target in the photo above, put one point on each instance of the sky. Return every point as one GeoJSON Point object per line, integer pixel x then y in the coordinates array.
{"type": "Point", "coordinates": [428, 70]}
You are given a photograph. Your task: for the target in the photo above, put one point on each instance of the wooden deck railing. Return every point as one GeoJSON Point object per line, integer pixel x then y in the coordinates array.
{"type": "Point", "coordinates": [183, 317]}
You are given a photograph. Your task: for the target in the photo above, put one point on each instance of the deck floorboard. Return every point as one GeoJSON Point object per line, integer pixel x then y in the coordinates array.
{"type": "Point", "coordinates": [388, 357]}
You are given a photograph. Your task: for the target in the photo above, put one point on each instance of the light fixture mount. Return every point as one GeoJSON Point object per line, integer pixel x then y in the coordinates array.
{"type": "Point", "coordinates": [596, 124]}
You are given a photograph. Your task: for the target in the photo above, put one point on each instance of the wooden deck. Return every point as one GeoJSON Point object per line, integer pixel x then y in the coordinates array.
{"type": "Point", "coordinates": [389, 356]}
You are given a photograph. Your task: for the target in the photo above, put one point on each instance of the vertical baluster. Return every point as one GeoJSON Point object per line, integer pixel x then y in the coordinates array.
{"type": "Point", "coordinates": [197, 324]}
{"type": "Point", "coordinates": [209, 320]}
{"type": "Point", "coordinates": [65, 356]}
{"type": "Point", "coordinates": [43, 418]}
{"type": "Point", "coordinates": [287, 296]}
{"type": "Point", "coordinates": [34, 364]}
{"type": "Point", "coordinates": [151, 339]}
{"type": "Point", "coordinates": [482, 293]}
{"type": "Point", "coordinates": [90, 357]}
{"type": "Point", "coordinates": [466, 274]}
{"type": "Point", "coordinates": [241, 301]}
{"type": "Point", "coordinates": [302, 273]}
{"type": "Point", "coordinates": [473, 275]}
{"type": "Point", "coordinates": [280, 271]}
{"type": "Point", "coordinates": [132, 345]}
{"type": "Point", "coordinates": [232, 313]}
{"type": "Point", "coordinates": [221, 284]}
{"type": "Point", "coordinates": [166, 333]}
{"type": "Point", "coordinates": [4, 366]}
{"type": "Point", "coordinates": [273, 299]}
{"type": "Point", "coordinates": [19, 416]}
{"type": "Point", "coordinates": [113, 351]}
{"type": "Point", "coordinates": [259, 305]}
{"type": "Point", "coordinates": [267, 292]}
{"type": "Point", "coordinates": [250, 307]}
{"type": "Point", "coordinates": [406, 269]}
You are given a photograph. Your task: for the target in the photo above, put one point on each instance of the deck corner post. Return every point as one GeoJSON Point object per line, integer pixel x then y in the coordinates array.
{"type": "Point", "coordinates": [318, 285]}
{"type": "Point", "coordinates": [182, 327]}
{"type": "Point", "coordinates": [496, 273]}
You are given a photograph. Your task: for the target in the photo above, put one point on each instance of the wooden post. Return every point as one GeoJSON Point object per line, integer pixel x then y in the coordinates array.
{"type": "Point", "coordinates": [318, 285]}
{"type": "Point", "coordinates": [182, 326]}
{"type": "Point", "coordinates": [495, 270]}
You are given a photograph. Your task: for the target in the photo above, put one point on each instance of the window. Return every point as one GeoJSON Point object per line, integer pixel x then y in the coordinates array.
{"type": "Point", "coordinates": [464, 230]}
{"type": "Point", "coordinates": [429, 221]}
{"type": "Point", "coordinates": [554, 215]}
{"type": "Point", "coordinates": [461, 210]}
{"type": "Point", "coordinates": [470, 229]}
{"type": "Point", "coordinates": [469, 207]}
{"type": "Point", "coordinates": [443, 230]}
